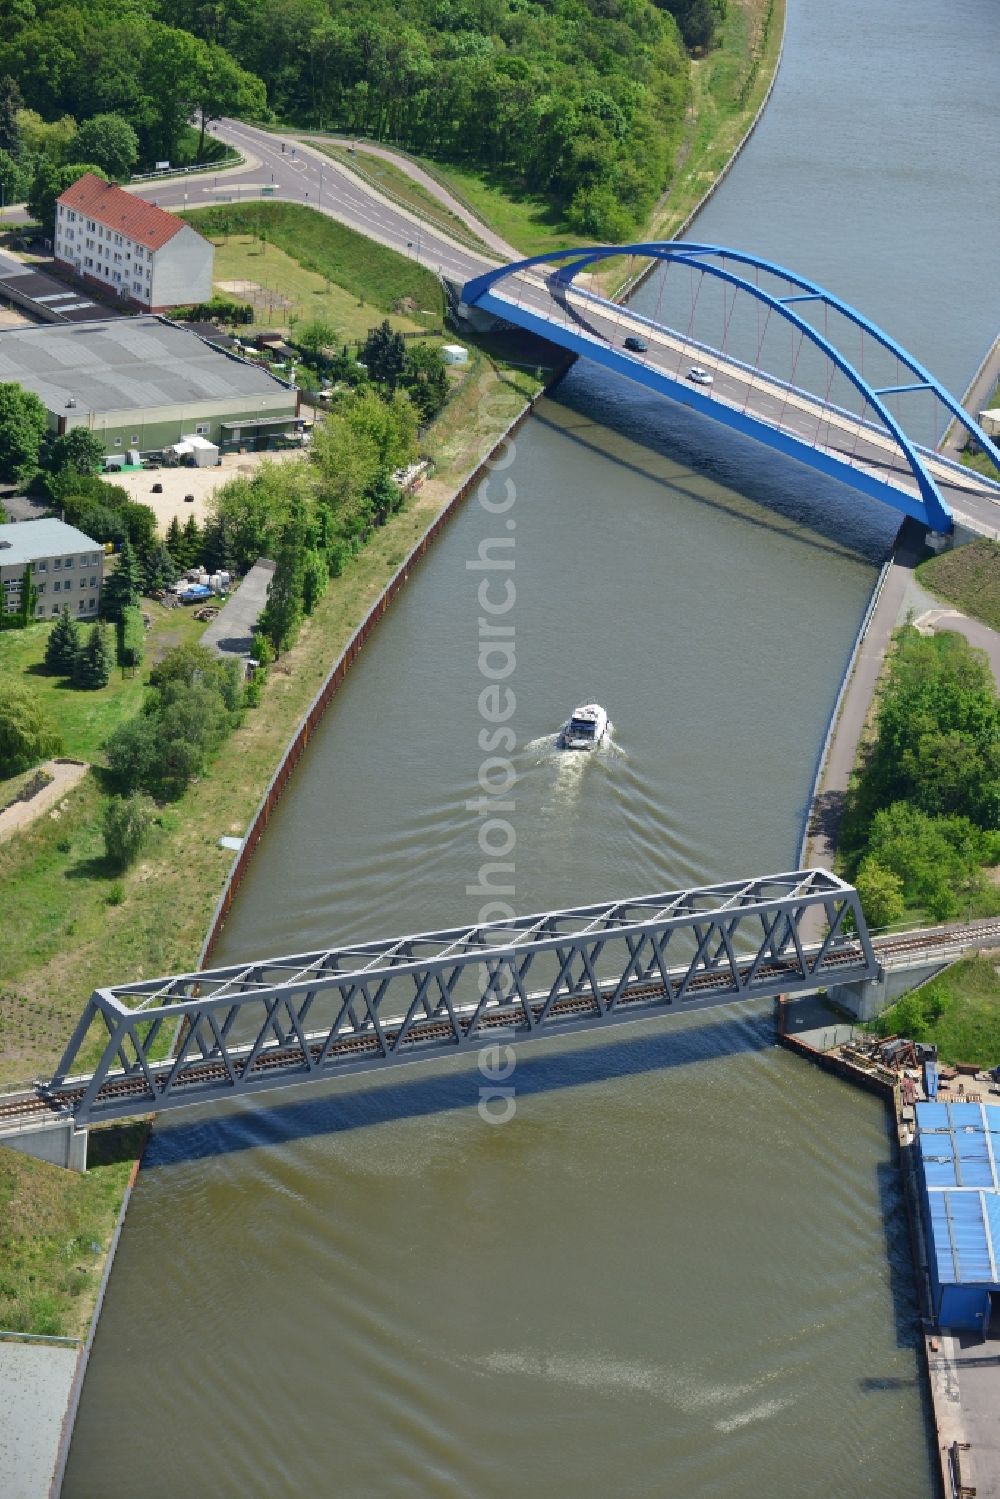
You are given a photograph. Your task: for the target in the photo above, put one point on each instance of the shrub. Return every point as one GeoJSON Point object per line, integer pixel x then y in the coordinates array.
{"type": "Point", "coordinates": [127, 824]}
{"type": "Point", "coordinates": [27, 735]}
{"type": "Point", "coordinates": [63, 644]}
{"type": "Point", "coordinates": [131, 637]}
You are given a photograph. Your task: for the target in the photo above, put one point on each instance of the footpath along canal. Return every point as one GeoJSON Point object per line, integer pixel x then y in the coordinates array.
{"type": "Point", "coordinates": [681, 1265]}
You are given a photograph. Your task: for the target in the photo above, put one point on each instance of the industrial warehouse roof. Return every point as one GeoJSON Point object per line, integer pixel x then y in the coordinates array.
{"type": "Point", "coordinates": [28, 539]}
{"type": "Point", "coordinates": [127, 364]}
{"type": "Point", "coordinates": [959, 1147]}
{"type": "Point", "coordinates": [116, 209]}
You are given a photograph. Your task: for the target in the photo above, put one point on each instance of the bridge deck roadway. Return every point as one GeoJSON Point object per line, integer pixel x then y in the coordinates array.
{"type": "Point", "coordinates": [580, 315]}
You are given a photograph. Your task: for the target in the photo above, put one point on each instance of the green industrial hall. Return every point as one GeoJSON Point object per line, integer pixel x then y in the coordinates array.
{"type": "Point", "coordinates": [144, 383]}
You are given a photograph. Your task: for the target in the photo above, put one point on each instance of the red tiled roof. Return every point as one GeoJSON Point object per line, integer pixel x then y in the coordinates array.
{"type": "Point", "coordinates": [124, 212]}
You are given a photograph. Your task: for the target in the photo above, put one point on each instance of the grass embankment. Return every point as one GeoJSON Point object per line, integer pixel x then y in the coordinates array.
{"type": "Point", "coordinates": [389, 178]}
{"type": "Point", "coordinates": [70, 924]}
{"type": "Point", "coordinates": [969, 578]}
{"type": "Point", "coordinates": [54, 1232]}
{"type": "Point", "coordinates": [958, 1011]}
{"type": "Point", "coordinates": [372, 274]}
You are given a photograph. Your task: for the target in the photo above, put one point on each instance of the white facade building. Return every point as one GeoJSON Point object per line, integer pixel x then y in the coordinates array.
{"type": "Point", "coordinates": [67, 568]}
{"type": "Point", "coordinates": [143, 254]}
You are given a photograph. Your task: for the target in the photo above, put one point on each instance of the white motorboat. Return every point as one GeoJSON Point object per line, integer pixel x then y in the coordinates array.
{"type": "Point", "coordinates": [586, 729]}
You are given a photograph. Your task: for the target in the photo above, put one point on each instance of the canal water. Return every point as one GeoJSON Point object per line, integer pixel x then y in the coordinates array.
{"type": "Point", "coordinates": [681, 1267]}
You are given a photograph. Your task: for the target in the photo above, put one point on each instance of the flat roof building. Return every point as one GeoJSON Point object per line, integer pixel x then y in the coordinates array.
{"type": "Point", "coordinates": [67, 568]}
{"type": "Point", "coordinates": [140, 252]}
{"type": "Point", "coordinates": [145, 382]}
{"type": "Point", "coordinates": [958, 1148]}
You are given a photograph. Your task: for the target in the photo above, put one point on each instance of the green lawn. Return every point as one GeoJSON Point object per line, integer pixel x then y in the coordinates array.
{"type": "Point", "coordinates": [364, 270]}
{"type": "Point", "coordinates": [958, 1011]}
{"type": "Point", "coordinates": [85, 719]}
{"type": "Point", "coordinates": [969, 578]}
{"type": "Point", "coordinates": [281, 291]}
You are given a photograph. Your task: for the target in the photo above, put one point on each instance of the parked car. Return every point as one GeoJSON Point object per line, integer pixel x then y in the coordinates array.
{"type": "Point", "coordinates": [699, 376]}
{"type": "Point", "coordinates": [637, 345]}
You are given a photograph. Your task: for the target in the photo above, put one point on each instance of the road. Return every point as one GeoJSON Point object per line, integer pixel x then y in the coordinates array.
{"type": "Point", "coordinates": [294, 171]}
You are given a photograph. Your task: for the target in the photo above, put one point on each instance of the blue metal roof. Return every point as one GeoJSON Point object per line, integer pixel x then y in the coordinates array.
{"type": "Point", "coordinates": [959, 1145]}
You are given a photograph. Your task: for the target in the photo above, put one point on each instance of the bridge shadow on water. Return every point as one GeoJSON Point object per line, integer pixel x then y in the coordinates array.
{"type": "Point", "coordinates": [607, 414]}
{"type": "Point", "coordinates": [398, 1096]}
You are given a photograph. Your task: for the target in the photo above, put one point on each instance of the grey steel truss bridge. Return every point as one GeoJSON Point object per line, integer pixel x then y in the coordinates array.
{"type": "Point", "coordinates": [224, 1032]}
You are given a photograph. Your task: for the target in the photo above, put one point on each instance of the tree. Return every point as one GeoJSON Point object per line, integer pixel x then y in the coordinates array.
{"type": "Point", "coordinates": [79, 450]}
{"type": "Point", "coordinates": [315, 335]}
{"type": "Point", "coordinates": [14, 178]}
{"type": "Point", "coordinates": [49, 183]}
{"type": "Point", "coordinates": [127, 824]}
{"type": "Point", "coordinates": [23, 424]}
{"type": "Point", "coordinates": [49, 139]}
{"type": "Point", "coordinates": [11, 100]}
{"type": "Point", "coordinates": [880, 892]}
{"type": "Point", "coordinates": [427, 379]}
{"type": "Point", "coordinates": [27, 735]}
{"type": "Point", "coordinates": [123, 587]}
{"type": "Point", "coordinates": [282, 614]}
{"type": "Point", "coordinates": [92, 667]}
{"type": "Point", "coordinates": [62, 645]}
{"type": "Point", "coordinates": [111, 142]}
{"type": "Point", "coordinates": [192, 542]}
{"type": "Point", "coordinates": [384, 353]}
{"type": "Point", "coordinates": [222, 87]}
{"type": "Point", "coordinates": [175, 544]}
{"type": "Point", "coordinates": [160, 570]}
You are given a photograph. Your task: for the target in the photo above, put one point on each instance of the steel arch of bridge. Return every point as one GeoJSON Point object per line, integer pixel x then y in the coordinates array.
{"type": "Point", "coordinates": [297, 1019]}
{"type": "Point", "coordinates": [699, 257]}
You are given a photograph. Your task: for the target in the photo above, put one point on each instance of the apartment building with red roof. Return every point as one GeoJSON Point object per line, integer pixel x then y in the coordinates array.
{"type": "Point", "coordinates": [120, 241]}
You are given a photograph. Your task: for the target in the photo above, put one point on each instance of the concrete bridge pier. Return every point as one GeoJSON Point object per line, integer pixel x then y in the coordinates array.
{"type": "Point", "coordinates": [57, 1141]}
{"type": "Point", "coordinates": [866, 998]}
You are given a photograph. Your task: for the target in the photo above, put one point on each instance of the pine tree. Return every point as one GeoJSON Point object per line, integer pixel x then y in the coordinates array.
{"type": "Point", "coordinates": [63, 645]}
{"type": "Point", "coordinates": [213, 545]}
{"type": "Point", "coordinates": [92, 668]}
{"type": "Point", "coordinates": [192, 543]}
{"type": "Point", "coordinates": [175, 543]}
{"type": "Point", "coordinates": [161, 569]}
{"type": "Point", "coordinates": [124, 587]}
{"type": "Point", "coordinates": [11, 100]}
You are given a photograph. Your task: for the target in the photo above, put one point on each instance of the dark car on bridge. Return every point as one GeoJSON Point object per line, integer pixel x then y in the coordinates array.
{"type": "Point", "coordinates": [639, 345]}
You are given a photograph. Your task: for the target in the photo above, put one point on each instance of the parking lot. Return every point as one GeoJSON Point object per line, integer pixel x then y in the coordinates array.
{"type": "Point", "coordinates": [201, 482]}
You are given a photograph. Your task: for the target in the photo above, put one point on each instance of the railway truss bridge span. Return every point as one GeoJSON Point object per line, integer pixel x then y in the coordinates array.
{"type": "Point", "coordinates": [768, 328]}
{"type": "Point", "coordinates": [225, 1032]}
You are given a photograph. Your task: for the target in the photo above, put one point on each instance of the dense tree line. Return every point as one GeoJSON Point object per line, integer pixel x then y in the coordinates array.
{"type": "Point", "coordinates": [581, 101]}
{"type": "Point", "coordinates": [923, 818]}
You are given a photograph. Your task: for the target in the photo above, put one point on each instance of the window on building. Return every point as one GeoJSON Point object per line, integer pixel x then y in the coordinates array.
{"type": "Point", "coordinates": [68, 562]}
{"type": "Point", "coordinates": [93, 582]}
{"type": "Point", "coordinates": [56, 586]}
{"type": "Point", "coordinates": [57, 564]}
{"type": "Point", "coordinates": [118, 442]}
{"type": "Point", "coordinates": [55, 608]}
{"type": "Point", "coordinates": [134, 438]}
{"type": "Point", "coordinates": [83, 582]}
{"type": "Point", "coordinates": [202, 429]}
{"type": "Point", "coordinates": [81, 606]}
{"type": "Point", "coordinates": [41, 567]}
{"type": "Point", "coordinates": [39, 587]}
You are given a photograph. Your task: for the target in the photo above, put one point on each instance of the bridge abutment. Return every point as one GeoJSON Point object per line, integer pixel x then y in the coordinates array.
{"type": "Point", "coordinates": [867, 998]}
{"type": "Point", "coordinates": [57, 1141]}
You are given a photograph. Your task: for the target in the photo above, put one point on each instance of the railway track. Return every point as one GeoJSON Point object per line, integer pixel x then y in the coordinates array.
{"type": "Point", "coordinates": [195, 1075]}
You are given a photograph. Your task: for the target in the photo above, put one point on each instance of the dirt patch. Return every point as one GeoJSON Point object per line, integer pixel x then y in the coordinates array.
{"type": "Point", "coordinates": [65, 774]}
{"type": "Point", "coordinates": [259, 297]}
{"type": "Point", "coordinates": [177, 483]}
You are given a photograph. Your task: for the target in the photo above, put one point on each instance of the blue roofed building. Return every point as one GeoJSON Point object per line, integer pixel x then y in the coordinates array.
{"type": "Point", "coordinates": [958, 1148]}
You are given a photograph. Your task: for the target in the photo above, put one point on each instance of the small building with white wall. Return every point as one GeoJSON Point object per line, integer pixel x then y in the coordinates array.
{"type": "Point", "coordinates": [143, 254]}
{"type": "Point", "coordinates": [67, 568]}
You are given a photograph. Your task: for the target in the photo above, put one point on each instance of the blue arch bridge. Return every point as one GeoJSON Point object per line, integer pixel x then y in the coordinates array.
{"type": "Point", "coordinates": [766, 352]}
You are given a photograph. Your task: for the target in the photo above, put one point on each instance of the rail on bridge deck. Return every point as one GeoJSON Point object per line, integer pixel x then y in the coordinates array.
{"type": "Point", "coordinates": [292, 1020]}
{"type": "Point", "coordinates": [881, 460]}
